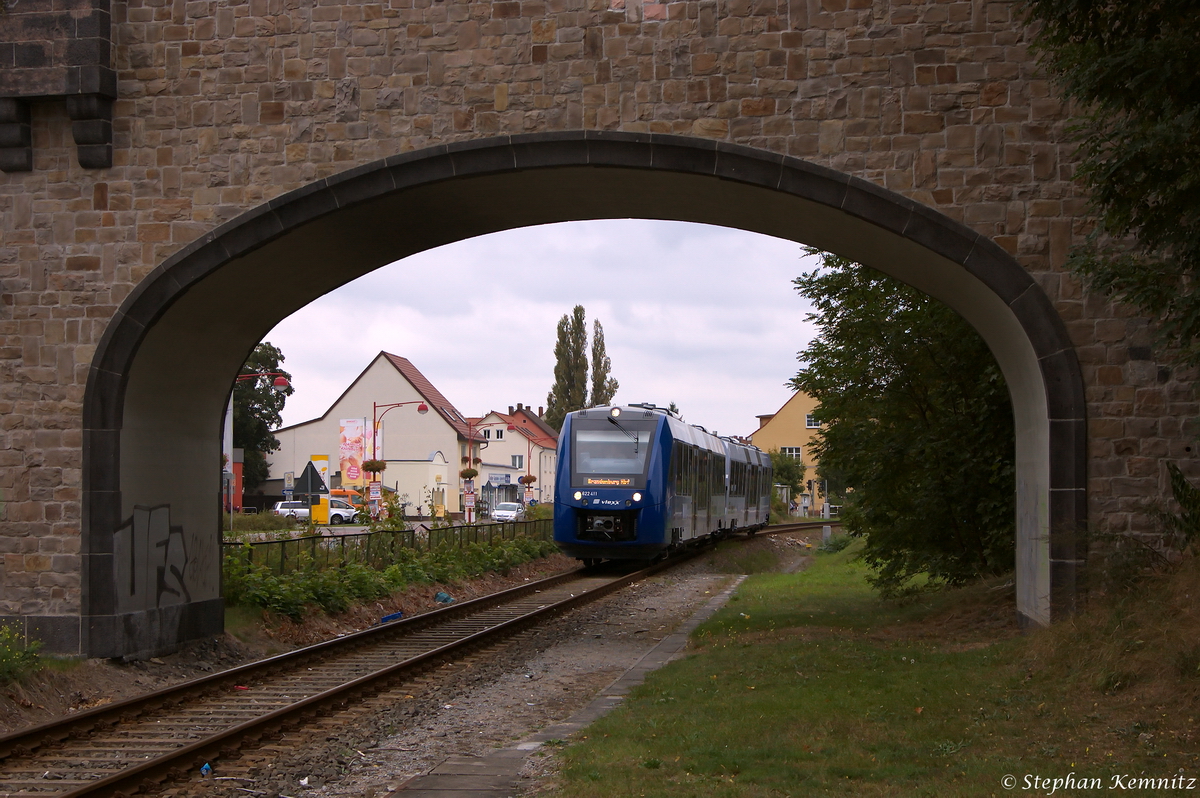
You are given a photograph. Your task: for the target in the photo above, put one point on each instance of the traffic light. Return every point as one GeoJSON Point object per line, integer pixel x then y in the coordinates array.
{"type": "Point", "coordinates": [810, 486]}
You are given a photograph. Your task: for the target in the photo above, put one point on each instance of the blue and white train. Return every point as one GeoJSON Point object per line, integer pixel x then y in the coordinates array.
{"type": "Point", "coordinates": [634, 481]}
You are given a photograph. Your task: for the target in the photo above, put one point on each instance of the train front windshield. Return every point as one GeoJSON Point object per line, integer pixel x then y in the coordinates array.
{"type": "Point", "coordinates": [605, 455]}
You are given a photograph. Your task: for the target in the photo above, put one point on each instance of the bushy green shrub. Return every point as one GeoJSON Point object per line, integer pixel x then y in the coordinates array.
{"type": "Point", "coordinates": [335, 589]}
{"type": "Point", "coordinates": [16, 658]}
{"type": "Point", "coordinates": [539, 512]}
{"type": "Point", "coordinates": [835, 544]}
{"type": "Point", "coordinates": [258, 522]}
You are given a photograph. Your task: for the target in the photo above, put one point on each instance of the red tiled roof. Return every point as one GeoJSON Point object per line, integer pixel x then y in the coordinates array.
{"type": "Point", "coordinates": [431, 395]}
{"type": "Point", "coordinates": [531, 427]}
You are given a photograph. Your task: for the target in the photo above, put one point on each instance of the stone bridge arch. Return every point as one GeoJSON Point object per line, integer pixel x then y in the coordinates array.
{"type": "Point", "coordinates": [143, 143]}
{"type": "Point", "coordinates": [155, 442]}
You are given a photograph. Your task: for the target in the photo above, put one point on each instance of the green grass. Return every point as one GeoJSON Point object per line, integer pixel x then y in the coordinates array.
{"type": "Point", "coordinates": [16, 658]}
{"type": "Point", "coordinates": [809, 684]}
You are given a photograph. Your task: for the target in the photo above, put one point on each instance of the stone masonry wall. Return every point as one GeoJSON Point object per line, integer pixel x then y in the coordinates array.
{"type": "Point", "coordinates": [223, 104]}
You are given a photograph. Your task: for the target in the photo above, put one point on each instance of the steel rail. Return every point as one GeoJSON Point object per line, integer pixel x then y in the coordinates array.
{"type": "Point", "coordinates": [184, 758]}
{"type": "Point", "coordinates": [26, 741]}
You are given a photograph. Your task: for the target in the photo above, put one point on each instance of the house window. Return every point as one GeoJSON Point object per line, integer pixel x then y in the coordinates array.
{"type": "Point", "coordinates": [811, 421]}
{"type": "Point", "coordinates": [487, 434]}
{"type": "Point", "coordinates": [790, 451]}
{"type": "Point", "coordinates": [499, 434]}
{"type": "Point", "coordinates": [518, 461]}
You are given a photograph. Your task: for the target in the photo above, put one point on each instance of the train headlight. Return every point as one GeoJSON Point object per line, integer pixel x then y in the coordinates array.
{"type": "Point", "coordinates": [637, 497]}
{"type": "Point", "coordinates": [578, 495]}
{"type": "Point", "coordinates": [616, 411]}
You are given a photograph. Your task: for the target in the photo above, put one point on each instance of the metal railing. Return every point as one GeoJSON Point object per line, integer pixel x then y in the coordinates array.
{"type": "Point", "coordinates": [375, 550]}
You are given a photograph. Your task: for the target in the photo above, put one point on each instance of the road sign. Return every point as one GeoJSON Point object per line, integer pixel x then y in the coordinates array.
{"type": "Point", "coordinates": [287, 493]}
{"type": "Point", "coordinates": [310, 481]}
{"type": "Point", "coordinates": [289, 481]}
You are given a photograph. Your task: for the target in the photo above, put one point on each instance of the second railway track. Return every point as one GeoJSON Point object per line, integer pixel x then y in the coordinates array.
{"type": "Point", "coordinates": [139, 743]}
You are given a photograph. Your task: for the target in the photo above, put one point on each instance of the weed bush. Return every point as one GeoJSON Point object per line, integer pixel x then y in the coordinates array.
{"type": "Point", "coordinates": [16, 658]}
{"type": "Point", "coordinates": [258, 522]}
{"type": "Point", "coordinates": [835, 544]}
{"type": "Point", "coordinates": [334, 590]}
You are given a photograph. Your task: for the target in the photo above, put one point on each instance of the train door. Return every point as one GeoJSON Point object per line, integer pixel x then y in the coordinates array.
{"type": "Point", "coordinates": [718, 495]}
{"type": "Point", "coordinates": [698, 506]}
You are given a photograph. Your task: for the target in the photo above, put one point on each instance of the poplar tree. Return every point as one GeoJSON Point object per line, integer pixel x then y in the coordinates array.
{"type": "Point", "coordinates": [569, 391]}
{"type": "Point", "coordinates": [604, 387]}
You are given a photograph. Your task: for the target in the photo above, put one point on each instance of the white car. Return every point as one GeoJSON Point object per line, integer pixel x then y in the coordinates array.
{"type": "Point", "coordinates": [297, 510]}
{"type": "Point", "coordinates": [340, 512]}
{"type": "Point", "coordinates": [506, 511]}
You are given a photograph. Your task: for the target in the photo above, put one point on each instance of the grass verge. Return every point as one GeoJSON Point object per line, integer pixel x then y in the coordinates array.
{"type": "Point", "coordinates": [809, 684]}
{"type": "Point", "coordinates": [334, 590]}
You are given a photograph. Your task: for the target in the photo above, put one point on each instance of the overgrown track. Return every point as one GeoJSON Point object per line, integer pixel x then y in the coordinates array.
{"type": "Point", "coordinates": [137, 744]}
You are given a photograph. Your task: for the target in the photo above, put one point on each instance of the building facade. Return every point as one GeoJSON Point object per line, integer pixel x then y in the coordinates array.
{"type": "Point", "coordinates": [517, 444]}
{"type": "Point", "coordinates": [418, 433]}
{"type": "Point", "coordinates": [791, 429]}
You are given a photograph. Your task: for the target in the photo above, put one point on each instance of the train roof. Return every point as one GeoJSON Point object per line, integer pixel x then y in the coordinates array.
{"type": "Point", "coordinates": [695, 433]}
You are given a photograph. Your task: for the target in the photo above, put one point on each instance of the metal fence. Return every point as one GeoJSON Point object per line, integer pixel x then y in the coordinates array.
{"type": "Point", "coordinates": [375, 549]}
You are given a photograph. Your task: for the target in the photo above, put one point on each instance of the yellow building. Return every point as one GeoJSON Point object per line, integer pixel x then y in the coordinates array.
{"type": "Point", "coordinates": [790, 430]}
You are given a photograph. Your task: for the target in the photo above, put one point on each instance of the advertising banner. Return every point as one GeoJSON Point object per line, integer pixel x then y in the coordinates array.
{"type": "Point", "coordinates": [374, 443]}
{"type": "Point", "coordinates": [351, 450]}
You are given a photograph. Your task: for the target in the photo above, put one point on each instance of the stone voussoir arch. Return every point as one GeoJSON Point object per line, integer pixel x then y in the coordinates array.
{"type": "Point", "coordinates": [151, 446]}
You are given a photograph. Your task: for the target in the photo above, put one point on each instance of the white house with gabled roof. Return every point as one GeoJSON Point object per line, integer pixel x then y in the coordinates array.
{"type": "Point", "coordinates": [423, 450]}
{"type": "Point", "coordinates": [516, 444]}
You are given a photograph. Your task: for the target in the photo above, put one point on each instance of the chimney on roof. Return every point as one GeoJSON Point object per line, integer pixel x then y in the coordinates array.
{"type": "Point", "coordinates": [520, 406]}
{"type": "Point", "coordinates": [510, 410]}
{"type": "Point", "coordinates": [541, 411]}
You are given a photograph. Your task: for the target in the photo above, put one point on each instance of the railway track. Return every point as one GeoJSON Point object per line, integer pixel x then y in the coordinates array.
{"type": "Point", "coordinates": [138, 744]}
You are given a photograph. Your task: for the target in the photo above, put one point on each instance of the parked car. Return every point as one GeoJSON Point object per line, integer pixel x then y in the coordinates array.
{"type": "Point", "coordinates": [506, 511]}
{"type": "Point", "coordinates": [297, 510]}
{"type": "Point", "coordinates": [340, 512]}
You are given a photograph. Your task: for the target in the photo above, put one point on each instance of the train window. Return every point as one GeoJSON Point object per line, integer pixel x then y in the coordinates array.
{"type": "Point", "coordinates": [604, 454]}
{"type": "Point", "coordinates": [602, 451]}
{"type": "Point", "coordinates": [673, 477]}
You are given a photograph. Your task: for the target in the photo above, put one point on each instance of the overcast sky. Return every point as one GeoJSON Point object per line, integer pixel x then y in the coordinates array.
{"type": "Point", "coordinates": [699, 315]}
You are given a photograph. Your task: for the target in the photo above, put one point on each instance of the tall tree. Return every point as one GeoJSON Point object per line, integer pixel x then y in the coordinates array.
{"type": "Point", "coordinates": [916, 419]}
{"type": "Point", "coordinates": [569, 392]}
{"type": "Point", "coordinates": [1133, 69]}
{"type": "Point", "coordinates": [256, 409]}
{"type": "Point", "coordinates": [604, 387]}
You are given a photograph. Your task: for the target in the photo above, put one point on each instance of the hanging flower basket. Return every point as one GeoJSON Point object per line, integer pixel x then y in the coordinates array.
{"type": "Point", "coordinates": [528, 479]}
{"type": "Point", "coordinates": [478, 461]}
{"type": "Point", "coordinates": [466, 460]}
{"type": "Point", "coordinates": [374, 466]}
{"type": "Point", "coordinates": [468, 473]}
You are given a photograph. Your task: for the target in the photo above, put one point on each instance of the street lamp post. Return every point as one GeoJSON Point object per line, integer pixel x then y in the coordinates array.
{"type": "Point", "coordinates": [377, 417]}
{"type": "Point", "coordinates": [528, 469]}
{"type": "Point", "coordinates": [472, 428]}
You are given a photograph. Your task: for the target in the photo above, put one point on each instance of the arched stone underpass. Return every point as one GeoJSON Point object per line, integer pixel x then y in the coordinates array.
{"type": "Point", "coordinates": [161, 374]}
